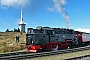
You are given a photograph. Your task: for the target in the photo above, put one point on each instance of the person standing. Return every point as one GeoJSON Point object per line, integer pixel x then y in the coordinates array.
{"type": "Point", "coordinates": [17, 38]}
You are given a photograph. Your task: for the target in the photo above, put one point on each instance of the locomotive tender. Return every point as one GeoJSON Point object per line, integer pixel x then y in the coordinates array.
{"type": "Point", "coordinates": [46, 38]}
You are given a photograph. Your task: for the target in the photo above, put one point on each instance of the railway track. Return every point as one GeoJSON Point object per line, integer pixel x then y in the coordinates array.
{"type": "Point", "coordinates": [26, 55]}
{"type": "Point", "coordinates": [83, 57]}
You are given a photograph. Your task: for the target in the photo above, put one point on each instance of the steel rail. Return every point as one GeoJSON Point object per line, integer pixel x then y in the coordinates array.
{"type": "Point", "coordinates": [78, 57]}
{"type": "Point", "coordinates": [13, 53]}
{"type": "Point", "coordinates": [25, 55]}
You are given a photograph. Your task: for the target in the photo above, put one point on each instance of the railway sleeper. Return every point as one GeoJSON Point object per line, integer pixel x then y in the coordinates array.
{"type": "Point", "coordinates": [54, 53]}
{"type": "Point", "coordinates": [45, 54]}
{"type": "Point", "coordinates": [30, 57]}
{"type": "Point", "coordinates": [67, 51]}
{"type": "Point", "coordinates": [38, 55]}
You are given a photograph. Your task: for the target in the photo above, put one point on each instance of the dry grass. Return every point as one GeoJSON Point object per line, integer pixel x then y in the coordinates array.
{"type": "Point", "coordinates": [15, 47]}
{"type": "Point", "coordinates": [8, 38]}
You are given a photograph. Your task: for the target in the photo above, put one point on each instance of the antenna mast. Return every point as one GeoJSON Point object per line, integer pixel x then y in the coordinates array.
{"type": "Point", "coordinates": [21, 16]}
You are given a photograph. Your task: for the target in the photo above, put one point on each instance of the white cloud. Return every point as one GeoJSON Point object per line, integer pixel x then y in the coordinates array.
{"type": "Point", "coordinates": [14, 3]}
{"type": "Point", "coordinates": [83, 30]}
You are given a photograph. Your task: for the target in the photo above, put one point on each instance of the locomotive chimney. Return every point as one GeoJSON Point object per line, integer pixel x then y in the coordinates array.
{"type": "Point", "coordinates": [21, 20]}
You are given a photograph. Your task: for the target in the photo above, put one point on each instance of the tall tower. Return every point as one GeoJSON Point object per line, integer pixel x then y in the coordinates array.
{"type": "Point", "coordinates": [22, 24]}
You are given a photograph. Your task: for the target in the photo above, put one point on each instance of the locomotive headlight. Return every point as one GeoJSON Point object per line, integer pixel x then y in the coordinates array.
{"type": "Point", "coordinates": [29, 31]}
{"type": "Point", "coordinates": [32, 42]}
{"type": "Point", "coordinates": [63, 36]}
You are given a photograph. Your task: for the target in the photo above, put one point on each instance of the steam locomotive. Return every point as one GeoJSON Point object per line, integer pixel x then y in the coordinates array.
{"type": "Point", "coordinates": [47, 38]}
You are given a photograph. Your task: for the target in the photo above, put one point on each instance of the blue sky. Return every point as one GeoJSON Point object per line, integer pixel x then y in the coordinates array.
{"type": "Point", "coordinates": [45, 13]}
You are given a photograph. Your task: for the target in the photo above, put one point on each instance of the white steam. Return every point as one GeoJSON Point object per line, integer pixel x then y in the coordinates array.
{"type": "Point", "coordinates": [14, 3]}
{"type": "Point", "coordinates": [59, 7]}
